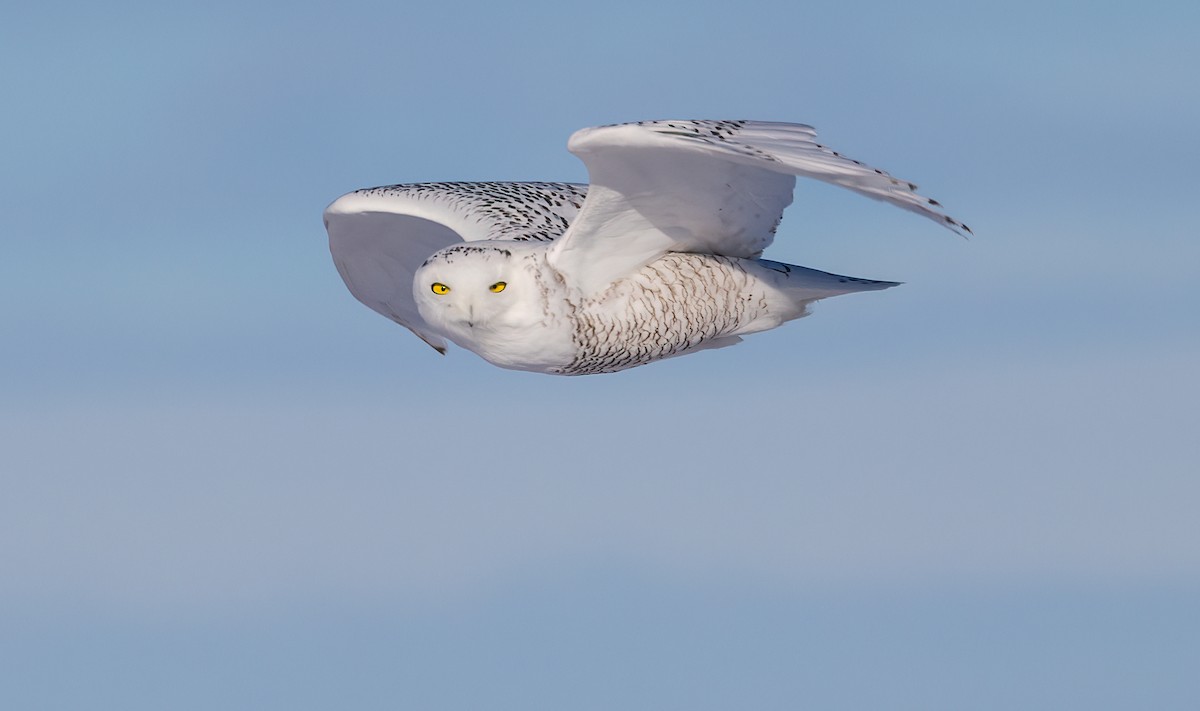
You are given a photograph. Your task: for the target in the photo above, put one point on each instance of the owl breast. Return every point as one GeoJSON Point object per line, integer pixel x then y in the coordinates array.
{"type": "Point", "coordinates": [676, 304]}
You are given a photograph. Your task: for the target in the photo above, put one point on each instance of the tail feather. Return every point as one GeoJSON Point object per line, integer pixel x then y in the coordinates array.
{"type": "Point", "coordinates": [795, 288]}
{"type": "Point", "coordinates": [812, 284]}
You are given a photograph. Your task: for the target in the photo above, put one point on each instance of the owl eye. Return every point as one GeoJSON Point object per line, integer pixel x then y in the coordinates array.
{"type": "Point", "coordinates": [497, 287]}
{"type": "Point", "coordinates": [439, 288]}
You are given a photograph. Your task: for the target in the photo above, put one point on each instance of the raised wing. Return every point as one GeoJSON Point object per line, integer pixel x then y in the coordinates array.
{"type": "Point", "coordinates": [714, 187]}
{"type": "Point", "coordinates": [379, 237]}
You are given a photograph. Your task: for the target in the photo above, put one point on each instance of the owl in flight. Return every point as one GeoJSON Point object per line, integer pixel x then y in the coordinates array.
{"type": "Point", "coordinates": [658, 256]}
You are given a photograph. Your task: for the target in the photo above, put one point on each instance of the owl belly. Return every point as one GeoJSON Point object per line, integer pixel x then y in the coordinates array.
{"type": "Point", "coordinates": [676, 304]}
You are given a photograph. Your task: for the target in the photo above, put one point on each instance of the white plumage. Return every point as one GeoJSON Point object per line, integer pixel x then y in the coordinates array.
{"type": "Point", "coordinates": [658, 256]}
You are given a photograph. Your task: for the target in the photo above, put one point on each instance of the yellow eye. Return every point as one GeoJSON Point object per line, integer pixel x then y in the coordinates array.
{"type": "Point", "coordinates": [497, 287]}
{"type": "Point", "coordinates": [439, 288]}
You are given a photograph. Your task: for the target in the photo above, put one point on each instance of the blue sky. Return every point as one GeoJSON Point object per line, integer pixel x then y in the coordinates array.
{"type": "Point", "coordinates": [229, 485]}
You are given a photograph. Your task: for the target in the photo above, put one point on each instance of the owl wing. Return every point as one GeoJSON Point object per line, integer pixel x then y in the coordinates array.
{"type": "Point", "coordinates": [712, 187]}
{"type": "Point", "coordinates": [379, 237]}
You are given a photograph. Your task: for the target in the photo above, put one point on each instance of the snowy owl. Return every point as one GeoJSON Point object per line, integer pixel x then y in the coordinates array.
{"type": "Point", "coordinates": [657, 257]}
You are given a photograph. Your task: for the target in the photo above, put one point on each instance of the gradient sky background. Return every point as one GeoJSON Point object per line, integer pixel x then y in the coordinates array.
{"type": "Point", "coordinates": [227, 485]}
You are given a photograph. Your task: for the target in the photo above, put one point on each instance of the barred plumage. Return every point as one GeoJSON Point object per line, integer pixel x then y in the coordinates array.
{"type": "Point", "coordinates": [656, 258]}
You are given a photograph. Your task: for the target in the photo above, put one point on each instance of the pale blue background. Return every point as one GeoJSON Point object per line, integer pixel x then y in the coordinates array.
{"type": "Point", "coordinates": [227, 485]}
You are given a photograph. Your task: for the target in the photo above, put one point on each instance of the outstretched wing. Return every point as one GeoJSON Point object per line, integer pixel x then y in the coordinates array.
{"type": "Point", "coordinates": [714, 187]}
{"type": "Point", "coordinates": [379, 237]}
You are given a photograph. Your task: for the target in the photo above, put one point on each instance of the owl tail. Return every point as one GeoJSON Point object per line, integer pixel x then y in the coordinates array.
{"type": "Point", "coordinates": [801, 286]}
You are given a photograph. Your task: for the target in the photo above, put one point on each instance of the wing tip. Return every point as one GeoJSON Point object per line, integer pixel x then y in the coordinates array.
{"type": "Point", "coordinates": [344, 205]}
{"type": "Point", "coordinates": [434, 342]}
{"type": "Point", "coordinates": [958, 228]}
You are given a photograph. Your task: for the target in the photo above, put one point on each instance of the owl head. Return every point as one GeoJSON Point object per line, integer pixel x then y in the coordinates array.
{"type": "Point", "coordinates": [481, 292]}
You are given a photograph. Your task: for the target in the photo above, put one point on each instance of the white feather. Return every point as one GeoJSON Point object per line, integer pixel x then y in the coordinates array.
{"type": "Point", "coordinates": [708, 187]}
{"type": "Point", "coordinates": [657, 257]}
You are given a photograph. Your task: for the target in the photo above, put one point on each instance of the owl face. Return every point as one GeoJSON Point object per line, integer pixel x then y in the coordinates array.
{"type": "Point", "coordinates": [479, 293]}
